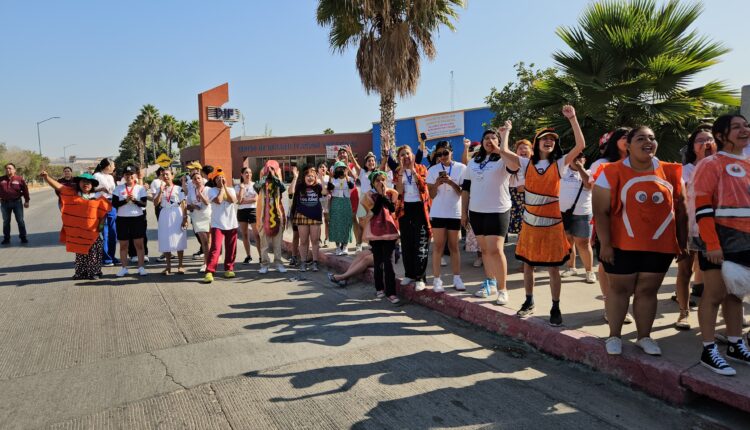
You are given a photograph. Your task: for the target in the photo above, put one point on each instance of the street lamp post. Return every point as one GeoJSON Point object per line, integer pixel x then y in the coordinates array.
{"type": "Point", "coordinates": [65, 157]}
{"type": "Point", "coordinates": [38, 138]}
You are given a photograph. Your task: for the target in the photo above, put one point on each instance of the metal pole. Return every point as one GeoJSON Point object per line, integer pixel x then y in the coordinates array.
{"type": "Point", "coordinates": [39, 139]}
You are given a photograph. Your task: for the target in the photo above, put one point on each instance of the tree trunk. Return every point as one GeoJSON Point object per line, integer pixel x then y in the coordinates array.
{"type": "Point", "coordinates": [388, 117]}
{"type": "Point", "coordinates": [141, 152]}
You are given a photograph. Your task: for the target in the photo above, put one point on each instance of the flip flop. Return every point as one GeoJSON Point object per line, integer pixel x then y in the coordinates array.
{"type": "Point", "coordinates": [181, 271]}
{"type": "Point", "coordinates": [166, 272]}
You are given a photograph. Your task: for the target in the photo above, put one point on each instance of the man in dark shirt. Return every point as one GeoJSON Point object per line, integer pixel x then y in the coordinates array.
{"type": "Point", "coordinates": [12, 188]}
{"type": "Point", "coordinates": [67, 181]}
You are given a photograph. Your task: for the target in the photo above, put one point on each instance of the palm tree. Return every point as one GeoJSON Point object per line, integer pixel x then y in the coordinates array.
{"type": "Point", "coordinates": [146, 126]}
{"type": "Point", "coordinates": [633, 62]}
{"type": "Point", "coordinates": [168, 128]}
{"type": "Point", "coordinates": [391, 36]}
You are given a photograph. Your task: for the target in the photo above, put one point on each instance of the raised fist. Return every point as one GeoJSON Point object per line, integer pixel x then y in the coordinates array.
{"type": "Point", "coordinates": [569, 111]}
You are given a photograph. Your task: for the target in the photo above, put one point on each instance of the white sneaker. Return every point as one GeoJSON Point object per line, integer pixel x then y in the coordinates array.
{"type": "Point", "coordinates": [123, 271]}
{"type": "Point", "coordinates": [477, 262]}
{"type": "Point", "coordinates": [502, 297]}
{"type": "Point", "coordinates": [406, 281]}
{"type": "Point", "coordinates": [628, 318]}
{"type": "Point", "coordinates": [338, 251]}
{"type": "Point", "coordinates": [358, 248]}
{"type": "Point", "coordinates": [649, 346]}
{"type": "Point", "coordinates": [443, 262]}
{"type": "Point", "coordinates": [590, 278]}
{"type": "Point", "coordinates": [613, 345]}
{"type": "Point", "coordinates": [145, 259]}
{"type": "Point", "coordinates": [202, 269]}
{"type": "Point", "coordinates": [280, 267]}
{"type": "Point", "coordinates": [134, 259]}
{"type": "Point", "coordinates": [437, 285]}
{"type": "Point", "coordinates": [458, 283]}
{"type": "Point", "coordinates": [263, 270]}
{"type": "Point", "coordinates": [419, 286]}
{"type": "Point", "coordinates": [345, 251]}
{"type": "Point", "coordinates": [142, 271]}
{"type": "Point", "coordinates": [571, 271]}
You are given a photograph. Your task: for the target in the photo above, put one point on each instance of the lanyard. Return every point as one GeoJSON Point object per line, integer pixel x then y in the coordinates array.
{"type": "Point", "coordinates": [129, 191]}
{"type": "Point", "coordinates": [169, 196]}
{"type": "Point", "coordinates": [408, 176]}
{"type": "Point", "coordinates": [449, 170]}
{"type": "Point", "coordinates": [483, 163]}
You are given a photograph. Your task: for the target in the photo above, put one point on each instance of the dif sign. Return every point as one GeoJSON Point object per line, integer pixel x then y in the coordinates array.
{"type": "Point", "coordinates": [441, 125]}
{"type": "Point", "coordinates": [223, 114]}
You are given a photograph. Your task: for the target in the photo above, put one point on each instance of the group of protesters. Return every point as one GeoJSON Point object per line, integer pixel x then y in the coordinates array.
{"type": "Point", "coordinates": [636, 213]}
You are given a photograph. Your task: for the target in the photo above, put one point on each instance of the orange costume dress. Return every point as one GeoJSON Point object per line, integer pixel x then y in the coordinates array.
{"type": "Point", "coordinates": [542, 240]}
{"type": "Point", "coordinates": [81, 218]}
{"type": "Point", "coordinates": [642, 206]}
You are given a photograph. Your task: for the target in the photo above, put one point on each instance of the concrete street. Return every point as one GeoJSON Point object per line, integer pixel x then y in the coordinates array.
{"type": "Point", "coordinates": [273, 351]}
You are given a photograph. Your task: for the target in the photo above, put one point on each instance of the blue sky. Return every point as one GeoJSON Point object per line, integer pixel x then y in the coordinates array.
{"type": "Point", "coordinates": [95, 63]}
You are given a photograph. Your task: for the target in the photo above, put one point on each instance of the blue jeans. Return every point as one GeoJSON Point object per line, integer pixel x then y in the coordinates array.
{"type": "Point", "coordinates": [16, 208]}
{"type": "Point", "coordinates": [109, 238]}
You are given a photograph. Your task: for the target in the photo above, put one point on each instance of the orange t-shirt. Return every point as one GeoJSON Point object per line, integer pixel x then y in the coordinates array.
{"type": "Point", "coordinates": [642, 214]}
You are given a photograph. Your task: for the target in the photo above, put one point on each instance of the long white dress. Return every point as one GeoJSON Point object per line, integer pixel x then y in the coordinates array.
{"type": "Point", "coordinates": [172, 237]}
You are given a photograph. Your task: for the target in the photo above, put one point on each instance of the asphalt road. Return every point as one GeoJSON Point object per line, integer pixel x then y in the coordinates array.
{"type": "Point", "coordinates": [274, 351]}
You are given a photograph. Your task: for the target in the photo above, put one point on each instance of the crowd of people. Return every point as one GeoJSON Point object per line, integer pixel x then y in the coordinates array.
{"type": "Point", "coordinates": [635, 213]}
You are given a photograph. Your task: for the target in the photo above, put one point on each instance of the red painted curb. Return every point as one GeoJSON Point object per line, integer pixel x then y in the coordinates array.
{"type": "Point", "coordinates": [656, 376]}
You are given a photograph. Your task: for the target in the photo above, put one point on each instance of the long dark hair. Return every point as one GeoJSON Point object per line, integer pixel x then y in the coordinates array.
{"type": "Point", "coordinates": [554, 156]}
{"type": "Point", "coordinates": [690, 155]}
{"type": "Point", "coordinates": [611, 151]}
{"type": "Point", "coordinates": [721, 128]}
{"type": "Point", "coordinates": [103, 164]}
{"type": "Point", "coordinates": [242, 172]}
{"type": "Point", "coordinates": [481, 152]}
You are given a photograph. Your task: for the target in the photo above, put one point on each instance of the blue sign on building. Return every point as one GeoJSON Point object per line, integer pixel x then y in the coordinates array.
{"type": "Point", "coordinates": [475, 121]}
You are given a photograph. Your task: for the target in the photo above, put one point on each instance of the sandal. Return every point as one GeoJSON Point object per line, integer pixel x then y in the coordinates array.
{"type": "Point", "coordinates": [166, 272]}
{"type": "Point", "coordinates": [181, 271]}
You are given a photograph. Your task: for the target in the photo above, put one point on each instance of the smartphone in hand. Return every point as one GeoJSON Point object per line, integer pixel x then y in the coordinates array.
{"type": "Point", "coordinates": [423, 136]}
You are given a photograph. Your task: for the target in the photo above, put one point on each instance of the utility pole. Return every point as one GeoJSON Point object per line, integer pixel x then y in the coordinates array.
{"type": "Point", "coordinates": [38, 136]}
{"type": "Point", "coordinates": [453, 92]}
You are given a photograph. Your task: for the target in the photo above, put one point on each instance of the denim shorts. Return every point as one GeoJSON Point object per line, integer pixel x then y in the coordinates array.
{"type": "Point", "coordinates": [579, 226]}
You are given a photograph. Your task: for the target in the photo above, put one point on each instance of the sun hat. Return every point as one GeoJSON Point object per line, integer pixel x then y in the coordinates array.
{"type": "Point", "coordinates": [87, 177]}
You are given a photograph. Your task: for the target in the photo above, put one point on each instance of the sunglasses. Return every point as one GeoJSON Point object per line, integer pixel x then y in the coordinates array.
{"type": "Point", "coordinates": [442, 154]}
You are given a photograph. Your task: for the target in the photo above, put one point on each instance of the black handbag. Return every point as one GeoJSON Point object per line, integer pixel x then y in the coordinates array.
{"type": "Point", "coordinates": [567, 216]}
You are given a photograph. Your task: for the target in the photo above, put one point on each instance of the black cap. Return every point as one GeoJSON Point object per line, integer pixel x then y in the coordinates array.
{"type": "Point", "coordinates": [129, 169]}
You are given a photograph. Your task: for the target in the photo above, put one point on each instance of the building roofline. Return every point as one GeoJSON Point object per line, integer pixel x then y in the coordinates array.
{"type": "Point", "coordinates": [437, 113]}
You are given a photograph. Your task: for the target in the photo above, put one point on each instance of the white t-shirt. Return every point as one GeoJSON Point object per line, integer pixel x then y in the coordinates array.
{"type": "Point", "coordinates": [224, 214]}
{"type": "Point", "coordinates": [340, 188]}
{"type": "Point", "coordinates": [198, 203]}
{"type": "Point", "coordinates": [106, 181]}
{"type": "Point", "coordinates": [569, 186]}
{"type": "Point", "coordinates": [364, 182]}
{"type": "Point", "coordinates": [489, 186]}
{"type": "Point", "coordinates": [447, 202]}
{"type": "Point", "coordinates": [191, 189]}
{"type": "Point", "coordinates": [389, 179]}
{"type": "Point", "coordinates": [130, 209]}
{"type": "Point", "coordinates": [746, 151]}
{"type": "Point", "coordinates": [411, 192]}
{"type": "Point", "coordinates": [155, 185]}
{"type": "Point", "coordinates": [172, 196]}
{"type": "Point", "coordinates": [249, 194]}
{"type": "Point", "coordinates": [687, 172]}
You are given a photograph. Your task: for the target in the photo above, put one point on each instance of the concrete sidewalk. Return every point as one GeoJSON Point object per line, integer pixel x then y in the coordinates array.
{"type": "Point", "coordinates": [676, 376]}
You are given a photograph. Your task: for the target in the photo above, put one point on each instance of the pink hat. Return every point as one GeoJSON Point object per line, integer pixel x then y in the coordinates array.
{"type": "Point", "coordinates": [271, 164]}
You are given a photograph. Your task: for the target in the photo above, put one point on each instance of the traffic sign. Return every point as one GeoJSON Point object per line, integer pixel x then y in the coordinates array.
{"type": "Point", "coordinates": [163, 160]}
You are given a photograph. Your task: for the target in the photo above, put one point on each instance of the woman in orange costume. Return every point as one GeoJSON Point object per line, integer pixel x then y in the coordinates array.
{"type": "Point", "coordinates": [721, 185]}
{"type": "Point", "coordinates": [641, 222]}
{"type": "Point", "coordinates": [83, 212]}
{"type": "Point", "coordinates": [542, 239]}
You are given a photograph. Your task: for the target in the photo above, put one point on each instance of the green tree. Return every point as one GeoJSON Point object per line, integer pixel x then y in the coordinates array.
{"type": "Point", "coordinates": [328, 131]}
{"type": "Point", "coordinates": [511, 102]}
{"type": "Point", "coordinates": [146, 127]}
{"type": "Point", "coordinates": [391, 36]}
{"type": "Point", "coordinates": [168, 129]}
{"type": "Point", "coordinates": [632, 62]}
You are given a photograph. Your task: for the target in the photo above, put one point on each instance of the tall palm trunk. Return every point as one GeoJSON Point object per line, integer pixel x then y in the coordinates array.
{"type": "Point", "coordinates": [141, 152]}
{"type": "Point", "coordinates": [388, 116]}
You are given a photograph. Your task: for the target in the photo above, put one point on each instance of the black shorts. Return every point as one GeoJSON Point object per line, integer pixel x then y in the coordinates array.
{"type": "Point", "coordinates": [489, 224]}
{"type": "Point", "coordinates": [742, 258]}
{"type": "Point", "coordinates": [446, 223]}
{"type": "Point", "coordinates": [246, 215]}
{"type": "Point", "coordinates": [630, 262]}
{"type": "Point", "coordinates": [131, 227]}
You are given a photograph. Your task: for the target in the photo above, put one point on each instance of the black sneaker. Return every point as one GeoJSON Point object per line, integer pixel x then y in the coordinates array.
{"type": "Point", "coordinates": [247, 260]}
{"type": "Point", "coordinates": [526, 309]}
{"type": "Point", "coordinates": [5, 242]}
{"type": "Point", "coordinates": [738, 352]}
{"type": "Point", "coordinates": [24, 240]}
{"type": "Point", "coordinates": [198, 255]}
{"type": "Point", "coordinates": [712, 359]}
{"type": "Point", "coordinates": [555, 317]}
{"type": "Point", "coordinates": [293, 261]}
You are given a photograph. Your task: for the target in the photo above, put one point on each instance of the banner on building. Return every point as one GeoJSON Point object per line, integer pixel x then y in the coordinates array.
{"type": "Point", "coordinates": [441, 125]}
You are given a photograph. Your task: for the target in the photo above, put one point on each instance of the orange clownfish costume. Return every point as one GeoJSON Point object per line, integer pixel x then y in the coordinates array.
{"type": "Point", "coordinates": [642, 206]}
{"type": "Point", "coordinates": [81, 219]}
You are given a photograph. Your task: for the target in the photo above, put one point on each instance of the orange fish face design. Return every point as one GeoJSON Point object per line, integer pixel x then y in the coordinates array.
{"type": "Point", "coordinates": [647, 206]}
